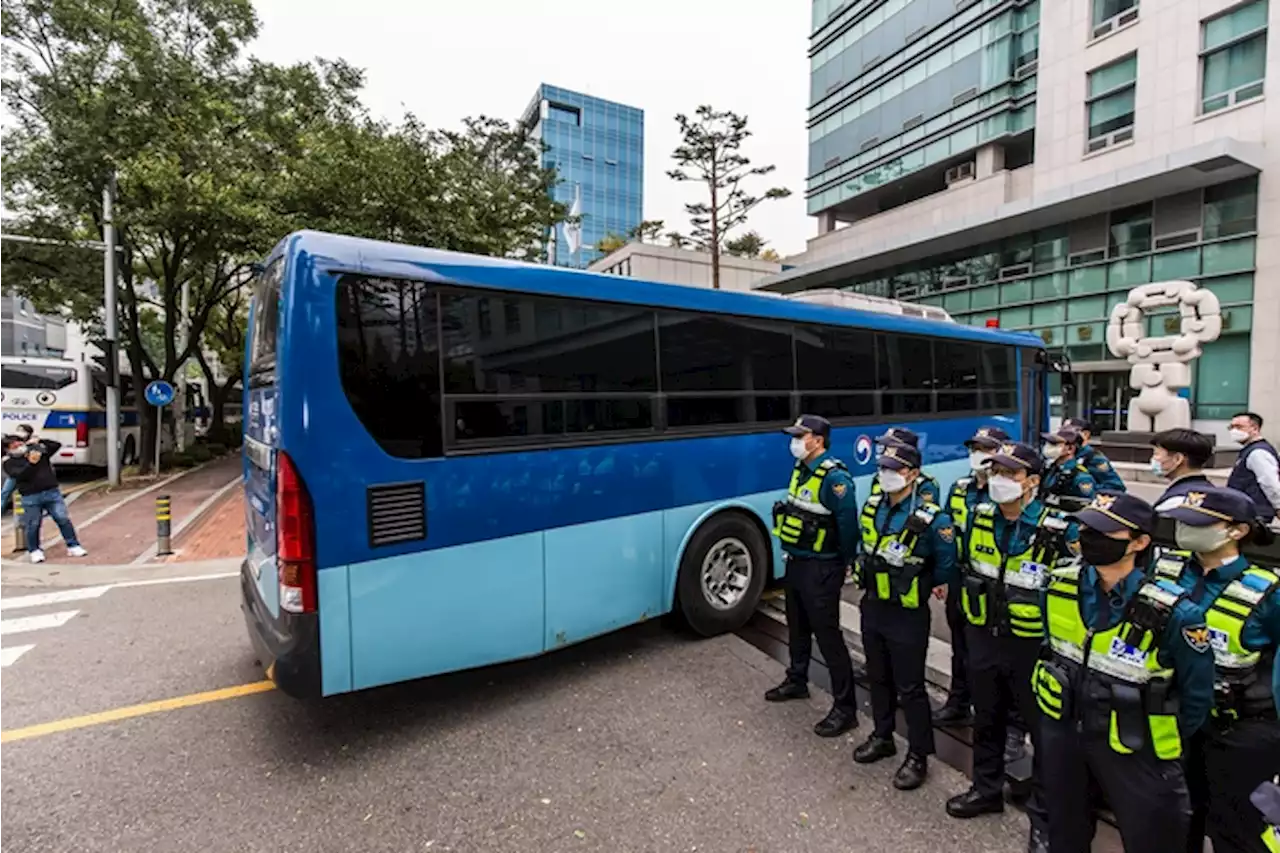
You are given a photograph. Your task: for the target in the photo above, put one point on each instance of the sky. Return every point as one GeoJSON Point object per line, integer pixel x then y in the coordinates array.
{"type": "Point", "coordinates": [443, 60]}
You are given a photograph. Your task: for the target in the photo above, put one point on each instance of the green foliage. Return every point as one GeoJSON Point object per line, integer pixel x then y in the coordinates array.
{"type": "Point", "coordinates": [710, 153]}
{"type": "Point", "coordinates": [610, 243]}
{"type": "Point", "coordinates": [749, 245]}
{"type": "Point", "coordinates": [647, 231]}
{"type": "Point", "coordinates": [771, 255]}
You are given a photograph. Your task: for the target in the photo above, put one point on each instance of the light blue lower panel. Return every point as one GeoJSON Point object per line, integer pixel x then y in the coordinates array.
{"type": "Point", "coordinates": [445, 610]}
{"type": "Point", "coordinates": [335, 630]}
{"type": "Point", "coordinates": [602, 576]}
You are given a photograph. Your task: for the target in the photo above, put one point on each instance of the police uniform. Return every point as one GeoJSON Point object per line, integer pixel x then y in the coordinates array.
{"type": "Point", "coordinates": [966, 493]}
{"type": "Point", "coordinates": [1066, 478]}
{"type": "Point", "coordinates": [907, 549]}
{"type": "Point", "coordinates": [927, 488]}
{"type": "Point", "coordinates": [1007, 564]}
{"type": "Point", "coordinates": [1178, 489]}
{"type": "Point", "coordinates": [1240, 746]}
{"type": "Point", "coordinates": [1125, 679]}
{"type": "Point", "coordinates": [818, 528]}
{"type": "Point", "coordinates": [1095, 461]}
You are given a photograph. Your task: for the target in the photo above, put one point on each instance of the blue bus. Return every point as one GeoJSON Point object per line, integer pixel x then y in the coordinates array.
{"type": "Point", "coordinates": [455, 461]}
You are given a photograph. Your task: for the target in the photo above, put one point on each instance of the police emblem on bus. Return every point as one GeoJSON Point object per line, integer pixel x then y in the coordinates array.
{"type": "Point", "coordinates": [862, 449]}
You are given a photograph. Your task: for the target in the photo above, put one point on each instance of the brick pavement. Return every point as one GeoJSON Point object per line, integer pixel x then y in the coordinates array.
{"type": "Point", "coordinates": [221, 533]}
{"type": "Point", "coordinates": [126, 532]}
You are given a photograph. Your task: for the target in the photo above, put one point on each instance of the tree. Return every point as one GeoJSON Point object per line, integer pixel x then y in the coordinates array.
{"type": "Point", "coordinates": [771, 255]}
{"type": "Point", "coordinates": [647, 231]}
{"type": "Point", "coordinates": [710, 153]}
{"type": "Point", "coordinates": [749, 245]}
{"type": "Point", "coordinates": [610, 243]}
{"type": "Point", "coordinates": [217, 157]}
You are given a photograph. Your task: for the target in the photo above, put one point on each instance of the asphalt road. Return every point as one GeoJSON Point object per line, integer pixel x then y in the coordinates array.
{"type": "Point", "coordinates": [644, 740]}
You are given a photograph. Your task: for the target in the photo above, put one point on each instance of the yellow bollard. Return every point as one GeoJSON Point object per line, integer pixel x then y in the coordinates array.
{"type": "Point", "coordinates": [19, 527]}
{"type": "Point", "coordinates": [163, 516]}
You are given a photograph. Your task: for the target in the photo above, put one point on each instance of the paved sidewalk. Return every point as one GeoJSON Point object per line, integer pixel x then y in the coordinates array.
{"type": "Point", "coordinates": [127, 531]}
{"type": "Point", "coordinates": [220, 534]}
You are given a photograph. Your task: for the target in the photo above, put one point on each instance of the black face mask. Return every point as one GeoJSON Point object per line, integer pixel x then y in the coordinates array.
{"type": "Point", "coordinates": [1099, 549]}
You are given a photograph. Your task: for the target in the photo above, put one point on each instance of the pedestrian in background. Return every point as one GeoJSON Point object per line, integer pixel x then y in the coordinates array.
{"type": "Point", "coordinates": [1257, 468]}
{"type": "Point", "coordinates": [30, 464]}
{"type": "Point", "coordinates": [6, 496]}
{"type": "Point", "coordinates": [1179, 456]}
{"type": "Point", "coordinates": [818, 527]}
{"type": "Point", "coordinates": [1095, 461]}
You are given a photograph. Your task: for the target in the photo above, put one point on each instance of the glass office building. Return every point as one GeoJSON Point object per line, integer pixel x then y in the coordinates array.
{"type": "Point", "coordinates": [1027, 163]}
{"type": "Point", "coordinates": [597, 146]}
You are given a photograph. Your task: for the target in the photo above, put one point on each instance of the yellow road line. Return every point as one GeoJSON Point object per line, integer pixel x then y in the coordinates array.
{"type": "Point", "coordinates": [130, 711]}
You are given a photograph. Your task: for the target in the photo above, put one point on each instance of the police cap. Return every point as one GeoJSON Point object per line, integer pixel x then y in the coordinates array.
{"type": "Point", "coordinates": [899, 456]}
{"type": "Point", "coordinates": [1112, 511]}
{"type": "Point", "coordinates": [898, 435]}
{"type": "Point", "coordinates": [1078, 424]}
{"type": "Point", "coordinates": [1066, 435]}
{"type": "Point", "coordinates": [806, 424]}
{"type": "Point", "coordinates": [1211, 505]}
{"type": "Point", "coordinates": [988, 438]}
{"type": "Point", "coordinates": [1016, 455]}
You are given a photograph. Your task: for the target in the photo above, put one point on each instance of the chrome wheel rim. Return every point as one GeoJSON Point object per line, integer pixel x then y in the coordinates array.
{"type": "Point", "coordinates": [726, 573]}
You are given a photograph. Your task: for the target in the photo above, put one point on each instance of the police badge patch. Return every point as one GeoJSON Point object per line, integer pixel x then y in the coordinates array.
{"type": "Point", "coordinates": [839, 489]}
{"type": "Point", "coordinates": [947, 534]}
{"type": "Point", "coordinates": [1197, 637]}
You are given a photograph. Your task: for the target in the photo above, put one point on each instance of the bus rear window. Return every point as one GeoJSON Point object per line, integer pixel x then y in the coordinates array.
{"type": "Point", "coordinates": [266, 316]}
{"type": "Point", "coordinates": [28, 376]}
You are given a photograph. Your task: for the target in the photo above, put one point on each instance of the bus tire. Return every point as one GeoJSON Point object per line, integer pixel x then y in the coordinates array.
{"type": "Point", "coordinates": [722, 574]}
{"type": "Point", "coordinates": [129, 456]}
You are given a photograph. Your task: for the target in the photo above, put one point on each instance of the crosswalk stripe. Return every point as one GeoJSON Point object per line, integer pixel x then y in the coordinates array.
{"type": "Point", "coordinates": [12, 653]}
{"type": "Point", "coordinates": [36, 623]}
{"type": "Point", "coordinates": [46, 598]}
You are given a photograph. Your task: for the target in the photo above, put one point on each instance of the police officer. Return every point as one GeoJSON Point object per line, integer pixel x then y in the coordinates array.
{"type": "Point", "coordinates": [1126, 679]}
{"type": "Point", "coordinates": [908, 547]}
{"type": "Point", "coordinates": [1010, 544]}
{"type": "Point", "coordinates": [1179, 456]}
{"type": "Point", "coordinates": [1240, 746]}
{"type": "Point", "coordinates": [966, 493]}
{"type": "Point", "coordinates": [818, 527]}
{"type": "Point", "coordinates": [927, 487]}
{"type": "Point", "coordinates": [1066, 475]}
{"type": "Point", "coordinates": [1257, 468]}
{"type": "Point", "coordinates": [1095, 461]}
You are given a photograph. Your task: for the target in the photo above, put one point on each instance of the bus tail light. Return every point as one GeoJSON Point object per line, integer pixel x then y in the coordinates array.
{"type": "Point", "coordinates": [82, 433]}
{"type": "Point", "coordinates": [295, 539]}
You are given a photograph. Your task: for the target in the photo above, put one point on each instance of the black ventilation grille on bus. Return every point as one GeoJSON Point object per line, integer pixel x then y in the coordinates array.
{"type": "Point", "coordinates": [397, 513]}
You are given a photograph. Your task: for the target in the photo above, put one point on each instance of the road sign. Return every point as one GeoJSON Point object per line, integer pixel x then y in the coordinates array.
{"type": "Point", "coordinates": [159, 393]}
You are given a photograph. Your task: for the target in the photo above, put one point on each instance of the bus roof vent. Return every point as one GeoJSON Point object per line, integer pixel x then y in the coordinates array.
{"type": "Point", "coordinates": [397, 513]}
{"type": "Point", "coordinates": [866, 302]}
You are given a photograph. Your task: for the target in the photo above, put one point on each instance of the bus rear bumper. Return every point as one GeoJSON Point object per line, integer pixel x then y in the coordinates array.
{"type": "Point", "coordinates": [288, 646]}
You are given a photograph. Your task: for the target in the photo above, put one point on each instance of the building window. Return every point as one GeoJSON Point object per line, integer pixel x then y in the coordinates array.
{"type": "Point", "coordinates": [1111, 15]}
{"type": "Point", "coordinates": [511, 316]}
{"type": "Point", "coordinates": [1233, 56]}
{"type": "Point", "coordinates": [1110, 104]}
{"type": "Point", "coordinates": [1130, 231]}
{"type": "Point", "coordinates": [1231, 208]}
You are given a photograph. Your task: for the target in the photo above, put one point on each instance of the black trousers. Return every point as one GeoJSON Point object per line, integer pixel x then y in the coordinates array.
{"type": "Point", "coordinates": [1148, 795]}
{"type": "Point", "coordinates": [958, 693]}
{"type": "Point", "coordinates": [1000, 675]}
{"type": "Point", "coordinates": [813, 610]}
{"type": "Point", "coordinates": [1223, 769]}
{"type": "Point", "coordinates": [896, 641]}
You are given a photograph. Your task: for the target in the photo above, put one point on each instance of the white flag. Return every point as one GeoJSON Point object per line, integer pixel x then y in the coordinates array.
{"type": "Point", "coordinates": [573, 230]}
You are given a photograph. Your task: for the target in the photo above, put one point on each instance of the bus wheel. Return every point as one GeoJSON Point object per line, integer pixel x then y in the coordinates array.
{"type": "Point", "coordinates": [129, 456]}
{"type": "Point", "coordinates": [722, 574]}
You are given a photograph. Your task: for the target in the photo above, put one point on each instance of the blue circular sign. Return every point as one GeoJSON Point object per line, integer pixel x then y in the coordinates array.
{"type": "Point", "coordinates": [159, 393]}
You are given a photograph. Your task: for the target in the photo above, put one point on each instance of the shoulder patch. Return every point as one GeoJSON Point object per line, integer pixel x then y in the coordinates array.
{"type": "Point", "coordinates": [1086, 486]}
{"type": "Point", "coordinates": [1101, 464]}
{"type": "Point", "coordinates": [947, 534]}
{"type": "Point", "coordinates": [839, 489]}
{"type": "Point", "coordinates": [1197, 637]}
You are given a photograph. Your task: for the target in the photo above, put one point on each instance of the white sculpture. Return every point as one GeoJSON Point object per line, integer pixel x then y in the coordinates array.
{"type": "Point", "coordinates": [1161, 364]}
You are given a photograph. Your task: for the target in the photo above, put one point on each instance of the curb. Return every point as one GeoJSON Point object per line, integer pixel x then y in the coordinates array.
{"type": "Point", "coordinates": [206, 507]}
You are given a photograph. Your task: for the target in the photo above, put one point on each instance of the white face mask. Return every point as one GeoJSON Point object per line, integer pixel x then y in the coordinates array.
{"type": "Point", "coordinates": [1051, 451]}
{"type": "Point", "coordinates": [798, 450]}
{"type": "Point", "coordinates": [1238, 435]}
{"type": "Point", "coordinates": [1004, 489]}
{"type": "Point", "coordinates": [1201, 540]}
{"type": "Point", "coordinates": [892, 481]}
{"type": "Point", "coordinates": [978, 459]}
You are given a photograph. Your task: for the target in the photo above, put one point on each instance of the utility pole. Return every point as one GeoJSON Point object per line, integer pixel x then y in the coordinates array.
{"type": "Point", "coordinates": [180, 401]}
{"type": "Point", "coordinates": [113, 355]}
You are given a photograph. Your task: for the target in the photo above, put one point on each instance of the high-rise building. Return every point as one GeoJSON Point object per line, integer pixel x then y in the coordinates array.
{"type": "Point", "coordinates": [1028, 162]}
{"type": "Point", "coordinates": [597, 146]}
